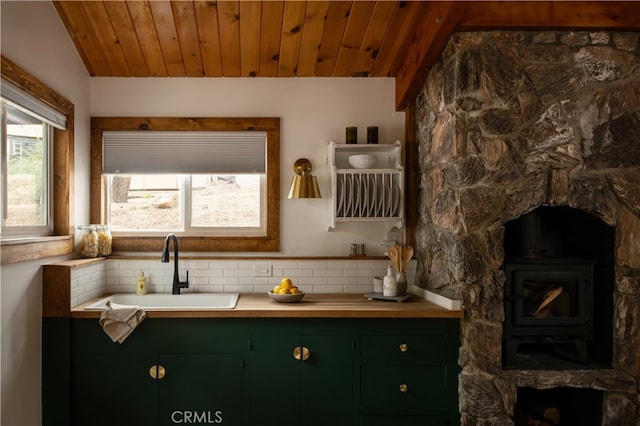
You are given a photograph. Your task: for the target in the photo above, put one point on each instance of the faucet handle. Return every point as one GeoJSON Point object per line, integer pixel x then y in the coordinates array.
{"type": "Point", "coordinates": [184, 284]}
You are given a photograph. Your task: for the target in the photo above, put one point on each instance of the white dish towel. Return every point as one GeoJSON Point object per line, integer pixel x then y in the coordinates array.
{"type": "Point", "coordinates": [118, 321]}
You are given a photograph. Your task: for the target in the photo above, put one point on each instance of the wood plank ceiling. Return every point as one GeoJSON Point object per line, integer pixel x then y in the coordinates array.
{"type": "Point", "coordinates": [330, 38]}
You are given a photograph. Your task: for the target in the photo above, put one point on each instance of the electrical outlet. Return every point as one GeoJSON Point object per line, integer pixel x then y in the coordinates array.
{"type": "Point", "coordinates": [394, 236]}
{"type": "Point", "coordinates": [262, 270]}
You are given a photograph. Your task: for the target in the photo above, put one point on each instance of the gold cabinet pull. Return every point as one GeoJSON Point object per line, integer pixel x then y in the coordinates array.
{"type": "Point", "coordinates": [403, 388]}
{"type": "Point", "coordinates": [404, 347]}
{"type": "Point", "coordinates": [301, 353]}
{"type": "Point", "coordinates": [157, 372]}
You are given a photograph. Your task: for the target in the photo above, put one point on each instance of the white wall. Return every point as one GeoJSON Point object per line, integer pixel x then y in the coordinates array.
{"type": "Point", "coordinates": [34, 38]}
{"type": "Point", "coordinates": [313, 111]}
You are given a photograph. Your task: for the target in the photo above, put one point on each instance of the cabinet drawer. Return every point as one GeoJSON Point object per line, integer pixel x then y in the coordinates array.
{"type": "Point", "coordinates": [404, 390]}
{"type": "Point", "coordinates": [403, 421]}
{"type": "Point", "coordinates": [408, 350]}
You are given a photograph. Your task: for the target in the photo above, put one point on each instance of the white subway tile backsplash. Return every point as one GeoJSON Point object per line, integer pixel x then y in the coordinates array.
{"type": "Point", "coordinates": [223, 264]}
{"type": "Point", "coordinates": [285, 264]}
{"type": "Point", "coordinates": [313, 276]}
{"type": "Point", "coordinates": [243, 288]}
{"type": "Point", "coordinates": [208, 288]}
{"type": "Point", "coordinates": [87, 282]}
{"type": "Point", "coordinates": [358, 273]}
{"type": "Point", "coordinates": [312, 281]}
{"type": "Point", "coordinates": [294, 273]}
{"type": "Point", "coordinates": [238, 272]}
{"type": "Point", "coordinates": [333, 288]}
{"type": "Point", "coordinates": [207, 273]}
{"type": "Point", "coordinates": [259, 281]}
{"type": "Point", "coordinates": [369, 264]}
{"type": "Point", "coordinates": [327, 272]}
{"type": "Point", "coordinates": [226, 281]}
{"type": "Point", "coordinates": [312, 264]}
{"type": "Point", "coordinates": [346, 281]}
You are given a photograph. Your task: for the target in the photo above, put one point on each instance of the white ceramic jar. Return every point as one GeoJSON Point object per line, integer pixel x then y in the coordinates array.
{"type": "Point", "coordinates": [389, 283]}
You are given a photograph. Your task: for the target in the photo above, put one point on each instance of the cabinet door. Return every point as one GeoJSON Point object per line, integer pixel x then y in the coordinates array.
{"type": "Point", "coordinates": [275, 381]}
{"type": "Point", "coordinates": [404, 390]}
{"type": "Point", "coordinates": [327, 383]}
{"type": "Point", "coordinates": [200, 389]}
{"type": "Point", "coordinates": [287, 391]}
{"type": "Point", "coordinates": [403, 421]}
{"type": "Point", "coordinates": [113, 390]}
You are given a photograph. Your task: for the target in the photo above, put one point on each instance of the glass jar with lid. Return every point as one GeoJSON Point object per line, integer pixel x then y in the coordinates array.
{"type": "Point", "coordinates": [88, 241]}
{"type": "Point", "coordinates": [104, 240]}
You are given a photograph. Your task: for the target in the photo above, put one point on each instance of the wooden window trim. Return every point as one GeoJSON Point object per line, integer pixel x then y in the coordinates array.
{"type": "Point", "coordinates": [97, 213]}
{"type": "Point", "coordinates": [61, 242]}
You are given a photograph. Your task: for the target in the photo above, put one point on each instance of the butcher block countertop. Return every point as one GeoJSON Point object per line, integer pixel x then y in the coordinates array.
{"type": "Point", "coordinates": [312, 306]}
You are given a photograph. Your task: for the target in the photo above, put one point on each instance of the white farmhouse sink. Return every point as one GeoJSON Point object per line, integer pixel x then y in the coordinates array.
{"type": "Point", "coordinates": [165, 301]}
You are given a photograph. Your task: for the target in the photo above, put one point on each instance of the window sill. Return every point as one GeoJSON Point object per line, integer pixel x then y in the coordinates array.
{"type": "Point", "coordinates": [16, 250]}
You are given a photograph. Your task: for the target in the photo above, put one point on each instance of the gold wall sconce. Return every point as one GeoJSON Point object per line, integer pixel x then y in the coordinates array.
{"type": "Point", "coordinates": [304, 184]}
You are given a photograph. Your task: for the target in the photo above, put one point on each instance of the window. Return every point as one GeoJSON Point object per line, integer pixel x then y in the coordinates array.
{"type": "Point", "coordinates": [212, 204]}
{"type": "Point", "coordinates": [202, 182]}
{"type": "Point", "coordinates": [37, 168]}
{"type": "Point", "coordinates": [213, 182]}
{"type": "Point", "coordinates": [26, 169]}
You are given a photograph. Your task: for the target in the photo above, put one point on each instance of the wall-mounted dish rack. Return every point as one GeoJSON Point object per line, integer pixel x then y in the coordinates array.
{"type": "Point", "coordinates": [375, 194]}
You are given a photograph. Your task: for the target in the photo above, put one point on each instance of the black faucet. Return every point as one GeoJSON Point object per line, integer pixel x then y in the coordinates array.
{"type": "Point", "coordinates": [177, 284]}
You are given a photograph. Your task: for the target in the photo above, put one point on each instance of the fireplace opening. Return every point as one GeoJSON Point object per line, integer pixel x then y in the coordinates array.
{"type": "Point", "coordinates": [561, 406]}
{"type": "Point", "coordinates": [559, 277]}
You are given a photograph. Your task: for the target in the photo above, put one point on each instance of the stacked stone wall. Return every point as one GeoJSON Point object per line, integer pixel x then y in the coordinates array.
{"type": "Point", "coordinates": [507, 122]}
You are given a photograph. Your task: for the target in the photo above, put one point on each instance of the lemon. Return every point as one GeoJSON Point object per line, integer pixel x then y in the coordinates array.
{"type": "Point", "coordinates": [286, 283]}
{"type": "Point", "coordinates": [276, 289]}
{"type": "Point", "coordinates": [294, 290]}
{"type": "Point", "coordinates": [283, 291]}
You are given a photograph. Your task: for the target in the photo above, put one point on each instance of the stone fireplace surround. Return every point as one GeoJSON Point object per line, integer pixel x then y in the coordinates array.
{"type": "Point", "coordinates": [507, 122]}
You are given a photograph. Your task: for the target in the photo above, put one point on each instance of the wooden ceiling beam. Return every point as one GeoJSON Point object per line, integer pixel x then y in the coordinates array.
{"type": "Point", "coordinates": [445, 17]}
{"type": "Point", "coordinates": [550, 15]}
{"type": "Point", "coordinates": [433, 32]}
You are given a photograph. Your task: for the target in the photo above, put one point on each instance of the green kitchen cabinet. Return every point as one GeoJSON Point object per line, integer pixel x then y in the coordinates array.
{"type": "Point", "coordinates": [200, 389]}
{"type": "Point", "coordinates": [408, 379]}
{"type": "Point", "coordinates": [166, 389]}
{"type": "Point", "coordinates": [404, 421]}
{"type": "Point", "coordinates": [258, 372]}
{"type": "Point", "coordinates": [113, 389]}
{"type": "Point", "coordinates": [163, 374]}
{"type": "Point", "coordinates": [302, 379]}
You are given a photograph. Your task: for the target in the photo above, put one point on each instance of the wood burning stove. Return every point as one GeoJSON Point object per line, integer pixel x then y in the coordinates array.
{"type": "Point", "coordinates": [548, 301]}
{"type": "Point", "coordinates": [559, 262]}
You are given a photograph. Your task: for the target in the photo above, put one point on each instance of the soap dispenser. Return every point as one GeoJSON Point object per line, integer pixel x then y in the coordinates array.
{"type": "Point", "coordinates": [389, 283]}
{"type": "Point", "coordinates": [141, 283]}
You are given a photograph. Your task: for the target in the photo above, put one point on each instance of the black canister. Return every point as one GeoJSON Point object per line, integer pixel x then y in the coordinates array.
{"type": "Point", "coordinates": [372, 134]}
{"type": "Point", "coordinates": [352, 135]}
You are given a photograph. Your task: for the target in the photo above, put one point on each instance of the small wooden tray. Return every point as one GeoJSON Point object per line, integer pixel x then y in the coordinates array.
{"type": "Point", "coordinates": [380, 296]}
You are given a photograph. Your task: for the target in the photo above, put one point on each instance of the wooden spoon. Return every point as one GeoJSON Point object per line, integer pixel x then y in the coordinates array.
{"type": "Point", "coordinates": [394, 255]}
{"type": "Point", "coordinates": [407, 254]}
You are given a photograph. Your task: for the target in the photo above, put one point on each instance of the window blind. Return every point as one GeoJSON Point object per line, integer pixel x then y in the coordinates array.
{"type": "Point", "coordinates": [29, 104]}
{"type": "Point", "coordinates": [184, 152]}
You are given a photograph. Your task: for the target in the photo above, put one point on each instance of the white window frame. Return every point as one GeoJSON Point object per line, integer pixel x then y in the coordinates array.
{"type": "Point", "coordinates": [9, 231]}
